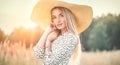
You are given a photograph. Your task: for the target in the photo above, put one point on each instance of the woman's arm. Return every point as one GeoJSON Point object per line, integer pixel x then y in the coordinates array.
{"type": "Point", "coordinates": [39, 48]}
{"type": "Point", "coordinates": [63, 53]}
{"type": "Point", "coordinates": [51, 37]}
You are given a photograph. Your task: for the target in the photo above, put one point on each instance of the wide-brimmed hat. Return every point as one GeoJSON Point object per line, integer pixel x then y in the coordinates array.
{"type": "Point", "coordinates": [41, 13]}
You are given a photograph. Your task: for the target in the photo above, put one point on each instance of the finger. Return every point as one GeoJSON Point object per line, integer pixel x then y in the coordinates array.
{"type": "Point", "coordinates": [55, 28]}
{"type": "Point", "coordinates": [51, 25]}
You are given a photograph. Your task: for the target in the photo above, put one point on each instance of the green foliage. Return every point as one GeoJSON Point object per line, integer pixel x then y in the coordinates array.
{"type": "Point", "coordinates": [103, 34]}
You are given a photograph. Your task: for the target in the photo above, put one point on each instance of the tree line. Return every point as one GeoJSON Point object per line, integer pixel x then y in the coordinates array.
{"type": "Point", "coordinates": [102, 34]}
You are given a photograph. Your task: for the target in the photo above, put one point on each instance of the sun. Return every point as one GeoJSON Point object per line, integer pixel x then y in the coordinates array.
{"type": "Point", "coordinates": [30, 25]}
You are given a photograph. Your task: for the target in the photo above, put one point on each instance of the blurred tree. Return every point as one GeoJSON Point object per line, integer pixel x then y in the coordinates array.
{"type": "Point", "coordinates": [2, 35]}
{"type": "Point", "coordinates": [29, 36]}
{"type": "Point", "coordinates": [113, 31]}
{"type": "Point", "coordinates": [103, 34]}
{"type": "Point", "coordinates": [84, 36]}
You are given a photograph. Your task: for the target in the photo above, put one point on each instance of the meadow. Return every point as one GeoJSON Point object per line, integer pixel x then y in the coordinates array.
{"type": "Point", "coordinates": [18, 54]}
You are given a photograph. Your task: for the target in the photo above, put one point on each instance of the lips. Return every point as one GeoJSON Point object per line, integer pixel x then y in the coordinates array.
{"type": "Point", "coordinates": [59, 25]}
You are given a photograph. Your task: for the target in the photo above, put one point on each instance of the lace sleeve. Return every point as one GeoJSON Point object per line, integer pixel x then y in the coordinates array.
{"type": "Point", "coordinates": [38, 51]}
{"type": "Point", "coordinates": [63, 53]}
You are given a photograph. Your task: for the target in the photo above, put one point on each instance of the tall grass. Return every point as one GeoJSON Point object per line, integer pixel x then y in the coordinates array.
{"type": "Point", "coordinates": [101, 58]}
{"type": "Point", "coordinates": [18, 54]}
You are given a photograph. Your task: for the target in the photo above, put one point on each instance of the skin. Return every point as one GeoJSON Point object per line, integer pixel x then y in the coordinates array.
{"type": "Point", "coordinates": [51, 37]}
{"type": "Point", "coordinates": [58, 23]}
{"type": "Point", "coordinates": [59, 20]}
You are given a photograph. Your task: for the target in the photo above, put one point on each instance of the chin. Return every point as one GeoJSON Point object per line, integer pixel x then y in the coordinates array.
{"type": "Point", "coordinates": [59, 28]}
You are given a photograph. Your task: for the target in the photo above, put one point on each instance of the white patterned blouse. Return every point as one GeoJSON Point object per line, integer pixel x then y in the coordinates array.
{"type": "Point", "coordinates": [62, 49]}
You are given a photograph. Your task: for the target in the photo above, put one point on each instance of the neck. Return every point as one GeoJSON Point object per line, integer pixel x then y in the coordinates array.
{"type": "Point", "coordinates": [63, 31]}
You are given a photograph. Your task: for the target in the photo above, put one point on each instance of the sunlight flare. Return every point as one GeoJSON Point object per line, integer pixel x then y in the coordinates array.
{"type": "Point", "coordinates": [30, 25]}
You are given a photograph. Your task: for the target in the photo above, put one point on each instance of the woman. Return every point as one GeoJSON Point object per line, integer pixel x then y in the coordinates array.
{"type": "Point", "coordinates": [65, 17]}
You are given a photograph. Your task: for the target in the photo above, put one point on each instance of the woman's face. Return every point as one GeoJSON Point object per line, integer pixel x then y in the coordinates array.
{"type": "Point", "coordinates": [58, 19]}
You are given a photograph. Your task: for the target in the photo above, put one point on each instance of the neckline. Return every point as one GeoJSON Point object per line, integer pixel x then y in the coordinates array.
{"type": "Point", "coordinates": [64, 33]}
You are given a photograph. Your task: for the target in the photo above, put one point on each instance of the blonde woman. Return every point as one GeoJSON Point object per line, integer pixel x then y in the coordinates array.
{"type": "Point", "coordinates": [65, 17]}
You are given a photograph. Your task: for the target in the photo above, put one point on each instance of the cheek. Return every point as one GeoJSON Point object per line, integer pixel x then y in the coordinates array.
{"type": "Point", "coordinates": [63, 21]}
{"type": "Point", "coordinates": [54, 22]}
{"type": "Point", "coordinates": [64, 25]}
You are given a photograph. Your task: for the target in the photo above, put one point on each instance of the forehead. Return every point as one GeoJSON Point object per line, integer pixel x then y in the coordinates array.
{"type": "Point", "coordinates": [56, 11]}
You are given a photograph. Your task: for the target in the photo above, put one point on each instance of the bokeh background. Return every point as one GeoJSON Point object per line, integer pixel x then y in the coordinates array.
{"type": "Point", "coordinates": [18, 34]}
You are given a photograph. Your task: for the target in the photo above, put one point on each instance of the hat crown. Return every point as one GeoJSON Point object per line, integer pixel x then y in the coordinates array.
{"type": "Point", "coordinates": [41, 13]}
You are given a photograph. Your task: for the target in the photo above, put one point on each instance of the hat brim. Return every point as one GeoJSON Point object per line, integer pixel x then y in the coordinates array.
{"type": "Point", "coordinates": [41, 13]}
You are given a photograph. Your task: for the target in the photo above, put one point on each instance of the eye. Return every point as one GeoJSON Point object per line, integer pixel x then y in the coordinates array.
{"type": "Point", "coordinates": [61, 15]}
{"type": "Point", "coordinates": [53, 17]}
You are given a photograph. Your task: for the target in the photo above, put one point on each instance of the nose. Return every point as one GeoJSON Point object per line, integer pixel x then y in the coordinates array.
{"type": "Point", "coordinates": [58, 19]}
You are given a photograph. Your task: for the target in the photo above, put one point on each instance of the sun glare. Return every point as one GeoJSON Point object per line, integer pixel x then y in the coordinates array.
{"type": "Point", "coordinates": [30, 25]}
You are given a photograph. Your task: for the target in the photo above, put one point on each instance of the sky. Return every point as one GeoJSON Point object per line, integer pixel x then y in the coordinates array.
{"type": "Point", "coordinates": [16, 13]}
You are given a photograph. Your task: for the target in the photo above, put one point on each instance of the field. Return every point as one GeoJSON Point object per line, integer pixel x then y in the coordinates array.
{"type": "Point", "coordinates": [101, 58]}
{"type": "Point", "coordinates": [18, 54]}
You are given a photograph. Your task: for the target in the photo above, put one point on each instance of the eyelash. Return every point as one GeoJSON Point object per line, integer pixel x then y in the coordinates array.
{"type": "Point", "coordinates": [53, 17]}
{"type": "Point", "coordinates": [61, 15]}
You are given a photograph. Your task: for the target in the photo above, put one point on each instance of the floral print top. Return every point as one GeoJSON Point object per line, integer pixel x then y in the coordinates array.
{"type": "Point", "coordinates": [62, 49]}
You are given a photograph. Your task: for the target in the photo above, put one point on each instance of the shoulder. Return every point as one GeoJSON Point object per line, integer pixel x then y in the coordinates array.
{"type": "Point", "coordinates": [70, 36]}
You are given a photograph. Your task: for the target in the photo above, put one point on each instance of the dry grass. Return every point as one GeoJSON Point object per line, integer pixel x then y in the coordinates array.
{"type": "Point", "coordinates": [101, 58]}
{"type": "Point", "coordinates": [18, 54]}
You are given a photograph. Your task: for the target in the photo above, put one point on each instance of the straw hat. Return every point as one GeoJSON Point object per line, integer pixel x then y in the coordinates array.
{"type": "Point", "coordinates": [41, 13]}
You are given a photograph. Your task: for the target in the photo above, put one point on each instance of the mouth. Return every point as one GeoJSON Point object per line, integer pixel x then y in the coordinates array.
{"type": "Point", "coordinates": [59, 24]}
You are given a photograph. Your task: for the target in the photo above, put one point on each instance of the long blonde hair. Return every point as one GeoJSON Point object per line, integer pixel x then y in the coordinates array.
{"type": "Point", "coordinates": [71, 27]}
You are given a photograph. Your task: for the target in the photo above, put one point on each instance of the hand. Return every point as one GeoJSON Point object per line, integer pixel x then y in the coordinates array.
{"type": "Point", "coordinates": [50, 28]}
{"type": "Point", "coordinates": [48, 45]}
